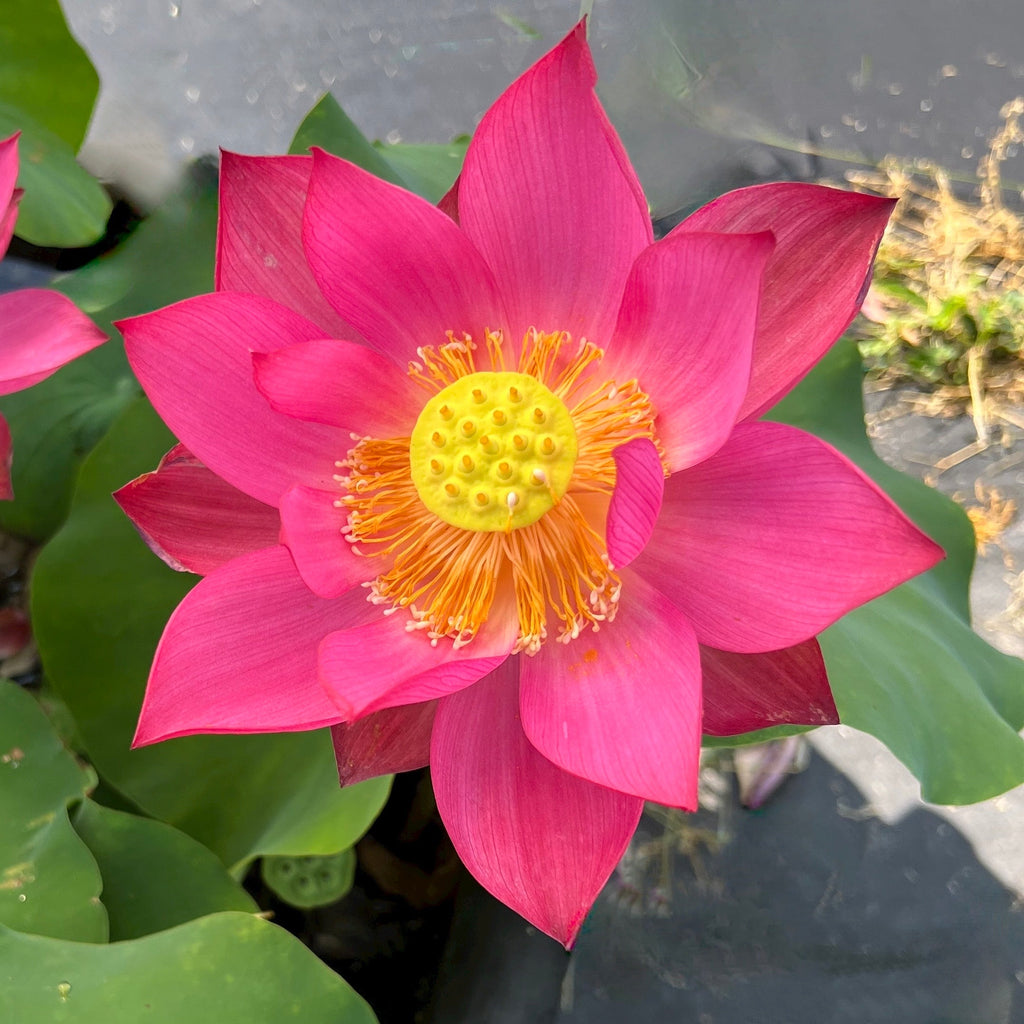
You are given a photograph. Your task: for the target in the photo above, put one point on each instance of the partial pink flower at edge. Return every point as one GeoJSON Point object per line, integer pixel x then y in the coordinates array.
{"type": "Point", "coordinates": [40, 330]}
{"type": "Point", "coordinates": [299, 409]}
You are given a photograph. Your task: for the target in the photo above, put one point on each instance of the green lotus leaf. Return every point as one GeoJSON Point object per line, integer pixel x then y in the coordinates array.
{"type": "Point", "coordinates": [43, 70]}
{"type": "Point", "coordinates": [229, 968]}
{"type": "Point", "coordinates": [428, 170]}
{"type": "Point", "coordinates": [49, 881]}
{"type": "Point", "coordinates": [154, 877]}
{"type": "Point", "coordinates": [310, 881]}
{"type": "Point", "coordinates": [64, 205]}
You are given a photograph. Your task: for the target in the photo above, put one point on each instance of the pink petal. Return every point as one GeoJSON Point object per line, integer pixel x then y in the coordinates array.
{"type": "Point", "coordinates": [541, 840]}
{"type": "Point", "coordinates": [311, 530]}
{"type": "Point", "coordinates": [622, 707]}
{"type": "Point", "coordinates": [194, 360]}
{"type": "Point", "coordinates": [743, 692]}
{"type": "Point", "coordinates": [340, 384]}
{"type": "Point", "coordinates": [815, 280]}
{"type": "Point", "coordinates": [6, 491]}
{"type": "Point", "coordinates": [385, 664]}
{"type": "Point", "coordinates": [686, 330]}
{"type": "Point", "coordinates": [239, 653]}
{"type": "Point", "coordinates": [389, 741]}
{"type": "Point", "coordinates": [549, 197]}
{"type": "Point", "coordinates": [259, 236]}
{"type": "Point", "coordinates": [391, 264]}
{"type": "Point", "coordinates": [775, 537]}
{"type": "Point", "coordinates": [636, 500]}
{"type": "Point", "coordinates": [40, 331]}
{"type": "Point", "coordinates": [192, 519]}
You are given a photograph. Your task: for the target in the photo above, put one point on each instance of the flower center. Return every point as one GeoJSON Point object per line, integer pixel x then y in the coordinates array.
{"type": "Point", "coordinates": [493, 451]}
{"type": "Point", "coordinates": [495, 504]}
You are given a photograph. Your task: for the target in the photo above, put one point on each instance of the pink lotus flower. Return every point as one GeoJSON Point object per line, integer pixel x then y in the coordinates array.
{"type": "Point", "coordinates": [40, 330]}
{"type": "Point", "coordinates": [486, 483]}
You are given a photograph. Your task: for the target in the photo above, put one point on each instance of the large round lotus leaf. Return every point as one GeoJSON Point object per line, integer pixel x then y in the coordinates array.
{"type": "Point", "coordinates": [223, 969]}
{"type": "Point", "coordinates": [64, 206]}
{"type": "Point", "coordinates": [154, 877]}
{"type": "Point", "coordinates": [43, 70]}
{"type": "Point", "coordinates": [49, 881]}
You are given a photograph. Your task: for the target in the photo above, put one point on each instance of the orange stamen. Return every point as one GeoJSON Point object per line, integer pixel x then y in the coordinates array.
{"type": "Point", "coordinates": [555, 569]}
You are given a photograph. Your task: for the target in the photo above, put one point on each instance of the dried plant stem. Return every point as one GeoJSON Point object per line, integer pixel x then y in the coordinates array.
{"type": "Point", "coordinates": [975, 378]}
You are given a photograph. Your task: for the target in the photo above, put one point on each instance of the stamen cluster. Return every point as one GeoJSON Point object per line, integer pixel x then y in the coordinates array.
{"type": "Point", "coordinates": [498, 497]}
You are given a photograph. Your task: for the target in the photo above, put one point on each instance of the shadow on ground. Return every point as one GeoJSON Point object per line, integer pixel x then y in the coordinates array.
{"type": "Point", "coordinates": [810, 912]}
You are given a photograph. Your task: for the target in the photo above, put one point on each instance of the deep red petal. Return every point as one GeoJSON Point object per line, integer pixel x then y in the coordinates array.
{"type": "Point", "coordinates": [744, 692]}
{"type": "Point", "coordinates": [449, 204]}
{"type": "Point", "coordinates": [194, 520]}
{"type": "Point", "coordinates": [389, 741]}
{"type": "Point", "coordinates": [6, 491]}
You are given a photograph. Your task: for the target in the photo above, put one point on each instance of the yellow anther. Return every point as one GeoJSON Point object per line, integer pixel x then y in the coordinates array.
{"type": "Point", "coordinates": [438, 439]}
